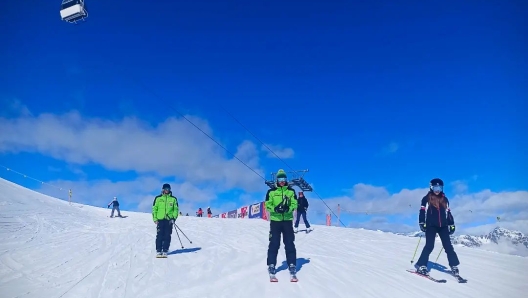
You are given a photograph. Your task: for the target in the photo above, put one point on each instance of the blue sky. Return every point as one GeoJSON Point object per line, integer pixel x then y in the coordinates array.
{"type": "Point", "coordinates": [363, 93]}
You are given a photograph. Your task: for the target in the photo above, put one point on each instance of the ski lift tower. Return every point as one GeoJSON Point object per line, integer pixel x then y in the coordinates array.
{"type": "Point", "coordinates": [297, 180]}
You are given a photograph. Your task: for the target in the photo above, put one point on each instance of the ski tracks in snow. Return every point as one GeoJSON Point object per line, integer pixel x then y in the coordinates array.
{"type": "Point", "coordinates": [52, 249]}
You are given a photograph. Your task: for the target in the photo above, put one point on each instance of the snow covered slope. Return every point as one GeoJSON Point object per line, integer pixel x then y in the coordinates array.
{"type": "Point", "coordinates": [51, 249]}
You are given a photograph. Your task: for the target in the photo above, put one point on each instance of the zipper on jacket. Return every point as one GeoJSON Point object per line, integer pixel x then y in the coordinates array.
{"type": "Point", "coordinates": [439, 218]}
{"type": "Point", "coordinates": [282, 189]}
{"type": "Point", "coordinates": [166, 208]}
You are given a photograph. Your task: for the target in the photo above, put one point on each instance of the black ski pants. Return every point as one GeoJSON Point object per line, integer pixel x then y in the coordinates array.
{"type": "Point", "coordinates": [284, 228]}
{"type": "Point", "coordinates": [303, 213]}
{"type": "Point", "coordinates": [443, 233]}
{"type": "Point", "coordinates": [163, 235]}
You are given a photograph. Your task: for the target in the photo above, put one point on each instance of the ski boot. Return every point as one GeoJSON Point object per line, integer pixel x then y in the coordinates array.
{"type": "Point", "coordinates": [159, 255]}
{"type": "Point", "coordinates": [271, 272]}
{"type": "Point", "coordinates": [455, 271]}
{"type": "Point", "coordinates": [422, 270]}
{"type": "Point", "coordinates": [164, 254]}
{"type": "Point", "coordinates": [293, 273]}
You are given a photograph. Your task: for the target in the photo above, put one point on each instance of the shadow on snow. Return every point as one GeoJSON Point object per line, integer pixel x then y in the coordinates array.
{"type": "Point", "coordinates": [184, 250]}
{"type": "Point", "coordinates": [300, 262]}
{"type": "Point", "coordinates": [438, 267]}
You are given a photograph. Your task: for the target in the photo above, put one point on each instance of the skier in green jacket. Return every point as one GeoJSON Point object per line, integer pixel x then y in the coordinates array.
{"type": "Point", "coordinates": [164, 213]}
{"type": "Point", "coordinates": [281, 201]}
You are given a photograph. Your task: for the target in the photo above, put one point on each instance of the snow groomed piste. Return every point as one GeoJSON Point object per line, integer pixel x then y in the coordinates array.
{"type": "Point", "coordinates": [52, 249]}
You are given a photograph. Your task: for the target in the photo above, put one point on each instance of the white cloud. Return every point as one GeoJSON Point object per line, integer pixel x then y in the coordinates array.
{"type": "Point", "coordinates": [172, 148]}
{"type": "Point", "coordinates": [469, 210]}
{"type": "Point", "coordinates": [392, 147]}
{"type": "Point", "coordinates": [280, 151]}
{"type": "Point", "coordinates": [370, 199]}
{"type": "Point", "coordinates": [13, 107]}
{"type": "Point", "coordinates": [459, 186]}
{"type": "Point", "coordinates": [389, 149]}
{"type": "Point", "coordinates": [381, 223]}
{"type": "Point", "coordinates": [138, 194]}
{"type": "Point", "coordinates": [519, 225]}
{"type": "Point", "coordinates": [489, 205]}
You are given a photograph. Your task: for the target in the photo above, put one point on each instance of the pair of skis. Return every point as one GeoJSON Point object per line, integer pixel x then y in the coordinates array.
{"type": "Point", "coordinates": [457, 277]}
{"type": "Point", "coordinates": [308, 231]}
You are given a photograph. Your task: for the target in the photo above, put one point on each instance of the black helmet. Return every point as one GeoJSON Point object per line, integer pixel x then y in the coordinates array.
{"type": "Point", "coordinates": [166, 186]}
{"type": "Point", "coordinates": [436, 181]}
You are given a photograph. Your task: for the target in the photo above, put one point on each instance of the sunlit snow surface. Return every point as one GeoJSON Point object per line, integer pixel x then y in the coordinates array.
{"type": "Point", "coordinates": [49, 249]}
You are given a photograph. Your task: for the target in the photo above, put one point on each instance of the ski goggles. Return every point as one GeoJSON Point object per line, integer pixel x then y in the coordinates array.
{"type": "Point", "coordinates": [437, 188]}
{"type": "Point", "coordinates": [281, 179]}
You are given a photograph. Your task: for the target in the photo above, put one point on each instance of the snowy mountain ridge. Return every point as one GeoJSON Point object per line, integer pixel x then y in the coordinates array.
{"type": "Point", "coordinates": [499, 240]}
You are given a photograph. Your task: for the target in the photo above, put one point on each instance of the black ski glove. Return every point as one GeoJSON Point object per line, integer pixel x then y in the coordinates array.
{"type": "Point", "coordinates": [422, 227]}
{"type": "Point", "coordinates": [451, 229]}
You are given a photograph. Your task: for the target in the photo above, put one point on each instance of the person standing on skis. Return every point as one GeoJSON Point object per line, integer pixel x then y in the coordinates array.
{"type": "Point", "coordinates": [164, 212]}
{"type": "Point", "coordinates": [301, 210]}
{"type": "Point", "coordinates": [437, 220]}
{"type": "Point", "coordinates": [281, 201]}
{"type": "Point", "coordinates": [115, 206]}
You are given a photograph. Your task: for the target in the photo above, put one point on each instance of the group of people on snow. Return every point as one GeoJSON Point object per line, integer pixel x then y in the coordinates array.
{"type": "Point", "coordinates": [199, 213]}
{"type": "Point", "coordinates": [434, 218]}
{"type": "Point", "coordinates": [281, 201]}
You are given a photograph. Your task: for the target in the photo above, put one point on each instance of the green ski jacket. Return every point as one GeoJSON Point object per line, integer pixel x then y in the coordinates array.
{"type": "Point", "coordinates": [165, 206]}
{"type": "Point", "coordinates": [276, 196]}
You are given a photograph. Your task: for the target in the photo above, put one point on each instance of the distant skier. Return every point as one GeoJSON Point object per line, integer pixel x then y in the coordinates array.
{"type": "Point", "coordinates": [199, 213]}
{"type": "Point", "coordinates": [209, 212]}
{"type": "Point", "coordinates": [115, 206]}
{"type": "Point", "coordinates": [301, 211]}
{"type": "Point", "coordinates": [439, 221]}
{"type": "Point", "coordinates": [164, 212]}
{"type": "Point", "coordinates": [281, 201]}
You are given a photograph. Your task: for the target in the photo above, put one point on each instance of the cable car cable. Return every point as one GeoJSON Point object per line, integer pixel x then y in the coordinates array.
{"type": "Point", "coordinates": [125, 74]}
{"type": "Point", "coordinates": [197, 127]}
{"type": "Point", "coordinates": [225, 110]}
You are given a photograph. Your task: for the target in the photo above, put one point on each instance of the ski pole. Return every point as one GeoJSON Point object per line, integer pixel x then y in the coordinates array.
{"type": "Point", "coordinates": [439, 254]}
{"type": "Point", "coordinates": [178, 236]}
{"type": "Point", "coordinates": [183, 233]}
{"type": "Point", "coordinates": [416, 248]}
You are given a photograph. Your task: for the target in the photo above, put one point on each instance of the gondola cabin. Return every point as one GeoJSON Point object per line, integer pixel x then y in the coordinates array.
{"type": "Point", "coordinates": [73, 11]}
